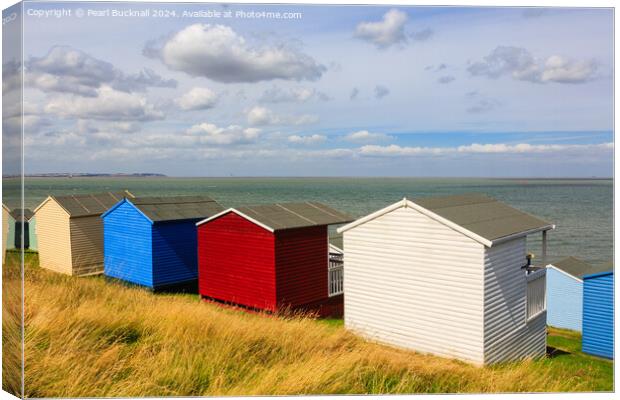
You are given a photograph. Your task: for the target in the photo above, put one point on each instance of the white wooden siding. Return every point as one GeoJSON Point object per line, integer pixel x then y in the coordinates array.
{"type": "Point", "coordinates": [87, 245]}
{"type": "Point", "coordinates": [507, 334]}
{"type": "Point", "coordinates": [54, 237]}
{"type": "Point", "coordinates": [415, 283]}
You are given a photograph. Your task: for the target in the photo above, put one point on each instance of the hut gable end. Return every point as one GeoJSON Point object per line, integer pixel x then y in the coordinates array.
{"type": "Point", "coordinates": [128, 252]}
{"type": "Point", "coordinates": [54, 234]}
{"type": "Point", "coordinates": [402, 272]}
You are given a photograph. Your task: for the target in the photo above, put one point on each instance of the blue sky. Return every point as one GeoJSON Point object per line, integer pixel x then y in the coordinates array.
{"type": "Point", "coordinates": [343, 90]}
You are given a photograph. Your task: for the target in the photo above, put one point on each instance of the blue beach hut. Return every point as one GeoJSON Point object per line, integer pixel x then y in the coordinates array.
{"type": "Point", "coordinates": [565, 291]}
{"type": "Point", "coordinates": [598, 314]}
{"type": "Point", "coordinates": [151, 241]}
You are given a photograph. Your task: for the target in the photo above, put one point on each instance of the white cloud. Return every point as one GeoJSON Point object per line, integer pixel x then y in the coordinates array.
{"type": "Point", "coordinates": [366, 137]}
{"type": "Point", "coordinates": [476, 148]}
{"type": "Point", "coordinates": [522, 65]}
{"type": "Point", "coordinates": [199, 98]}
{"type": "Point", "coordinates": [110, 104]}
{"type": "Point", "coordinates": [217, 52]}
{"type": "Point", "coordinates": [233, 134]}
{"type": "Point", "coordinates": [385, 33]}
{"type": "Point", "coordinates": [258, 116]}
{"type": "Point", "coordinates": [294, 95]}
{"type": "Point", "coordinates": [311, 139]}
{"type": "Point", "coordinates": [68, 70]}
{"type": "Point", "coordinates": [559, 69]}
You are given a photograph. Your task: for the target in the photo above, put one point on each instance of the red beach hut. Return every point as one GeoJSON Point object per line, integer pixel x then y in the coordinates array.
{"type": "Point", "coordinates": [271, 257]}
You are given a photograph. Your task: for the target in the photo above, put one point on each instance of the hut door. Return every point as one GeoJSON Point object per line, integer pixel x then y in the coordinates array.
{"type": "Point", "coordinates": [18, 235]}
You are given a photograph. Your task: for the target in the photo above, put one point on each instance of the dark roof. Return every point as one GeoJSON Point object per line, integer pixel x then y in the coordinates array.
{"type": "Point", "coordinates": [483, 215]}
{"type": "Point", "coordinates": [578, 268]}
{"type": "Point", "coordinates": [17, 214]}
{"type": "Point", "coordinates": [83, 205]}
{"type": "Point", "coordinates": [171, 208]}
{"type": "Point", "coordinates": [337, 241]}
{"type": "Point", "coordinates": [282, 216]}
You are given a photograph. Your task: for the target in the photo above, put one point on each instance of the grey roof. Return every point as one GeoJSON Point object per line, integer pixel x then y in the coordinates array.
{"type": "Point", "coordinates": [282, 216]}
{"type": "Point", "coordinates": [17, 214]}
{"type": "Point", "coordinates": [83, 205]}
{"type": "Point", "coordinates": [483, 215]}
{"type": "Point", "coordinates": [578, 268]}
{"type": "Point", "coordinates": [171, 208]}
{"type": "Point", "coordinates": [337, 241]}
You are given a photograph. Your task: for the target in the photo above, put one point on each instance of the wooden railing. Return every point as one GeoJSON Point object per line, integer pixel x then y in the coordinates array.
{"type": "Point", "coordinates": [536, 282]}
{"type": "Point", "coordinates": [335, 274]}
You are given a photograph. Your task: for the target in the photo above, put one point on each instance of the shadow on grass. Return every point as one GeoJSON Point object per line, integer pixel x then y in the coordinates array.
{"type": "Point", "coordinates": [553, 352]}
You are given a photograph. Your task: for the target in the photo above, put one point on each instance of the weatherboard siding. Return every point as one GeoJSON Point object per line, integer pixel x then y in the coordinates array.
{"type": "Point", "coordinates": [236, 262]}
{"type": "Point", "coordinates": [174, 252]}
{"type": "Point", "coordinates": [301, 265]}
{"type": "Point", "coordinates": [128, 245]}
{"type": "Point", "coordinates": [54, 233]}
{"type": "Point", "coordinates": [87, 245]}
{"type": "Point", "coordinates": [413, 282]}
{"type": "Point", "coordinates": [598, 315]}
{"type": "Point", "coordinates": [507, 334]}
{"type": "Point", "coordinates": [564, 300]}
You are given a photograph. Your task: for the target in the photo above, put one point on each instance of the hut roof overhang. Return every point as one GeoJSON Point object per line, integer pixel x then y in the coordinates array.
{"type": "Point", "coordinates": [577, 268]}
{"type": "Point", "coordinates": [479, 217]}
{"type": "Point", "coordinates": [172, 208]}
{"type": "Point", "coordinates": [281, 216]}
{"type": "Point", "coordinates": [86, 205]}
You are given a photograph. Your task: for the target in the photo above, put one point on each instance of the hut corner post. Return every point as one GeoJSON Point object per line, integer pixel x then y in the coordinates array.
{"type": "Point", "coordinates": [544, 248]}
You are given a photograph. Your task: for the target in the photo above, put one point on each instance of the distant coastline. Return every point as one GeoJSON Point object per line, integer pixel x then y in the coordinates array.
{"type": "Point", "coordinates": [88, 175]}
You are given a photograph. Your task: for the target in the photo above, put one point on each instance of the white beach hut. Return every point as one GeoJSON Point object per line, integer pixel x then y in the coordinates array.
{"type": "Point", "coordinates": [447, 276]}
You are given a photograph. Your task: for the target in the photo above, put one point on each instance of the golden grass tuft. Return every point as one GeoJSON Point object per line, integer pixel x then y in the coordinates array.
{"type": "Point", "coordinates": [86, 337]}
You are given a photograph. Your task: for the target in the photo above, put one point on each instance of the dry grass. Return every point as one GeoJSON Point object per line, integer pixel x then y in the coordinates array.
{"type": "Point", "coordinates": [86, 337]}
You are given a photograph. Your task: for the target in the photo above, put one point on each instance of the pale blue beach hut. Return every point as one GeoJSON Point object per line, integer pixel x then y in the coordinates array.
{"type": "Point", "coordinates": [14, 239]}
{"type": "Point", "coordinates": [565, 292]}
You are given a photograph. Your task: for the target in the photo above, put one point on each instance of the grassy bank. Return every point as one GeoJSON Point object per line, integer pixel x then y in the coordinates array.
{"type": "Point", "coordinates": [88, 337]}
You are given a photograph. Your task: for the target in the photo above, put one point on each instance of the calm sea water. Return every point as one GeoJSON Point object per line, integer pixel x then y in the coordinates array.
{"type": "Point", "coordinates": [581, 209]}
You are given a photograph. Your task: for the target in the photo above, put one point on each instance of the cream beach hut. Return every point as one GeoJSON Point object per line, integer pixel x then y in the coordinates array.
{"type": "Point", "coordinates": [5, 230]}
{"type": "Point", "coordinates": [70, 231]}
{"type": "Point", "coordinates": [447, 276]}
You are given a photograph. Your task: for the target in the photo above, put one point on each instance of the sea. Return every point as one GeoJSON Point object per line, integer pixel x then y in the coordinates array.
{"type": "Point", "coordinates": [581, 209]}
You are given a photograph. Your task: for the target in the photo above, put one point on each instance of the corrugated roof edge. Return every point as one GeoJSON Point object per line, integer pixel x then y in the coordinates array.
{"type": "Point", "coordinates": [551, 266]}
{"type": "Point", "coordinates": [404, 203]}
{"type": "Point", "coordinates": [125, 200]}
{"type": "Point", "coordinates": [597, 274]}
{"type": "Point", "coordinates": [253, 220]}
{"type": "Point", "coordinates": [51, 197]}
{"type": "Point", "coordinates": [233, 210]}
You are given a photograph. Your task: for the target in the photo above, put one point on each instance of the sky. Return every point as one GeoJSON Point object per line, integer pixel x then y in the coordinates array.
{"type": "Point", "coordinates": [214, 90]}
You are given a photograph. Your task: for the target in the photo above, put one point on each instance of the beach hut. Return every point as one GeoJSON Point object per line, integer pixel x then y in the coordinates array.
{"type": "Point", "coordinates": [151, 241]}
{"type": "Point", "coordinates": [270, 257]}
{"type": "Point", "coordinates": [70, 232]}
{"type": "Point", "coordinates": [5, 230]}
{"type": "Point", "coordinates": [565, 291]}
{"type": "Point", "coordinates": [447, 276]}
{"type": "Point", "coordinates": [16, 217]}
{"type": "Point", "coordinates": [598, 314]}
